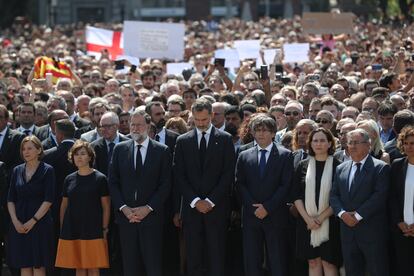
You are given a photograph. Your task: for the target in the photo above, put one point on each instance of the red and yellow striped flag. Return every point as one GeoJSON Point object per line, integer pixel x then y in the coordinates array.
{"type": "Point", "coordinates": [59, 69]}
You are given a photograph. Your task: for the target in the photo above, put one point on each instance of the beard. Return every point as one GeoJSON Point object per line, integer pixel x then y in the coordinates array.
{"type": "Point", "coordinates": [160, 124]}
{"type": "Point", "coordinates": [139, 137]}
{"type": "Point", "coordinates": [232, 129]}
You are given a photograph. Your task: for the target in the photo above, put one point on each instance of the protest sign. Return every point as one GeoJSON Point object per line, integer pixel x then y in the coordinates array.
{"type": "Point", "coordinates": [327, 23]}
{"type": "Point", "coordinates": [296, 52]}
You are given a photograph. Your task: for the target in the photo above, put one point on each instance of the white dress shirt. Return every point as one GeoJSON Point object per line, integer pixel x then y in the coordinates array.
{"type": "Point", "coordinates": [268, 149]}
{"type": "Point", "coordinates": [350, 179]}
{"type": "Point", "coordinates": [162, 134]}
{"type": "Point", "coordinates": [143, 151]}
{"type": "Point", "coordinates": [22, 129]}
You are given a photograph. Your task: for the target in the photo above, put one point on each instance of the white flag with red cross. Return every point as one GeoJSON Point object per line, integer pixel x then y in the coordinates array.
{"type": "Point", "coordinates": [98, 39]}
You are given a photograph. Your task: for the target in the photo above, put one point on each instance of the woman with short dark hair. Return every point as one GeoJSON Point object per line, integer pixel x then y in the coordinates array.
{"type": "Point", "coordinates": [317, 231]}
{"type": "Point", "coordinates": [84, 215]}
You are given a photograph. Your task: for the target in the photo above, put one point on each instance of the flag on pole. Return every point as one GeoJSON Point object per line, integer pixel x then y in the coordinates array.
{"type": "Point", "coordinates": [99, 39]}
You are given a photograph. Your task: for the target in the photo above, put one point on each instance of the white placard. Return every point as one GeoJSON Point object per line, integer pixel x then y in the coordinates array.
{"type": "Point", "coordinates": [177, 68]}
{"type": "Point", "coordinates": [231, 57]}
{"type": "Point", "coordinates": [247, 49]}
{"type": "Point", "coordinates": [296, 52]}
{"type": "Point", "coordinates": [269, 56]}
{"type": "Point", "coordinates": [154, 40]}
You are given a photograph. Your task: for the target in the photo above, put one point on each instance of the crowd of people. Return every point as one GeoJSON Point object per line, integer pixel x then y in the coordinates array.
{"type": "Point", "coordinates": [299, 169]}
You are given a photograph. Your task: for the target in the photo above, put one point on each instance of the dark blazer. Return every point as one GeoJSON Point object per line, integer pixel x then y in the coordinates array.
{"type": "Point", "coordinates": [271, 190]}
{"type": "Point", "coordinates": [90, 136]}
{"type": "Point", "coordinates": [3, 196]}
{"type": "Point", "coordinates": [391, 148]}
{"type": "Point", "coordinates": [368, 197]}
{"type": "Point", "coordinates": [151, 187]}
{"type": "Point", "coordinates": [171, 139]}
{"type": "Point", "coordinates": [397, 191]}
{"type": "Point", "coordinates": [80, 122]}
{"type": "Point", "coordinates": [49, 143]}
{"type": "Point", "coordinates": [245, 147]}
{"type": "Point", "coordinates": [214, 179]}
{"type": "Point", "coordinates": [41, 132]}
{"type": "Point", "coordinates": [57, 157]}
{"type": "Point", "coordinates": [101, 151]}
{"type": "Point", "coordinates": [10, 149]}
{"type": "Point", "coordinates": [298, 156]}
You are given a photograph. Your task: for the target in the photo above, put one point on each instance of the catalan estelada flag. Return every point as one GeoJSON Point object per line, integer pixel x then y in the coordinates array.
{"type": "Point", "coordinates": [59, 69]}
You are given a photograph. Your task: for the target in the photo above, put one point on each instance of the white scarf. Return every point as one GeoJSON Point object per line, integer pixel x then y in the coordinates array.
{"type": "Point", "coordinates": [321, 234]}
{"type": "Point", "coordinates": [409, 196]}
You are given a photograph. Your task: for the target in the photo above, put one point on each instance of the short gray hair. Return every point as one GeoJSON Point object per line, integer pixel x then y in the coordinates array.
{"type": "Point", "coordinates": [112, 116]}
{"type": "Point", "coordinates": [360, 132]}
{"type": "Point", "coordinates": [142, 113]}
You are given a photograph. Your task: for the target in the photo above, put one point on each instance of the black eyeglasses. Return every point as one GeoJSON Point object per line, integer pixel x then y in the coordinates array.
{"type": "Point", "coordinates": [323, 121]}
{"type": "Point", "coordinates": [292, 113]}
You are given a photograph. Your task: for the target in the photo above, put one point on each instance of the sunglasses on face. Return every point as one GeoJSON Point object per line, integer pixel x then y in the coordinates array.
{"type": "Point", "coordinates": [323, 121]}
{"type": "Point", "coordinates": [292, 113]}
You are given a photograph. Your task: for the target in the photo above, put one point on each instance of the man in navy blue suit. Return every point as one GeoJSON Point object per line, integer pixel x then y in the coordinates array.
{"type": "Point", "coordinates": [263, 177]}
{"type": "Point", "coordinates": [359, 199]}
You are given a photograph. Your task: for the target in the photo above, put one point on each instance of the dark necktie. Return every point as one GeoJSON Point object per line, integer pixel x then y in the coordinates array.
{"type": "Point", "coordinates": [27, 132]}
{"type": "Point", "coordinates": [356, 175]}
{"type": "Point", "coordinates": [138, 160]}
{"type": "Point", "coordinates": [157, 138]}
{"type": "Point", "coordinates": [111, 150]}
{"type": "Point", "coordinates": [262, 162]}
{"type": "Point", "coordinates": [203, 149]}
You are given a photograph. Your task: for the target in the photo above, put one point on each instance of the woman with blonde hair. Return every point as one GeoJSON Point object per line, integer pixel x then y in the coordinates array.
{"type": "Point", "coordinates": [31, 193]}
{"type": "Point", "coordinates": [377, 148]}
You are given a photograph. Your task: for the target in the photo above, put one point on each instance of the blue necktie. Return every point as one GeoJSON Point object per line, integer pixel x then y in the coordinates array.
{"type": "Point", "coordinates": [262, 162]}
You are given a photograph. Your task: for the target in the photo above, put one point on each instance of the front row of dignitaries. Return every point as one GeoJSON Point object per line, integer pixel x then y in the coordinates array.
{"type": "Point", "coordinates": [140, 181]}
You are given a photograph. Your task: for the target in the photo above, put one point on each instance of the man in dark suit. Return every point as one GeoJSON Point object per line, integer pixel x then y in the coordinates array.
{"type": "Point", "coordinates": [110, 138]}
{"type": "Point", "coordinates": [139, 183]}
{"type": "Point", "coordinates": [401, 119]}
{"type": "Point", "coordinates": [204, 171]}
{"type": "Point", "coordinates": [70, 109]}
{"type": "Point", "coordinates": [172, 204]}
{"type": "Point", "coordinates": [10, 141]}
{"type": "Point", "coordinates": [104, 148]}
{"type": "Point", "coordinates": [54, 116]}
{"type": "Point", "coordinates": [57, 157]}
{"type": "Point", "coordinates": [97, 110]}
{"type": "Point", "coordinates": [27, 118]}
{"type": "Point", "coordinates": [263, 178]}
{"type": "Point", "coordinates": [359, 199]}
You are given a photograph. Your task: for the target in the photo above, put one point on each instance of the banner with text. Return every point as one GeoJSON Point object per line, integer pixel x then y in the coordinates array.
{"type": "Point", "coordinates": [154, 40]}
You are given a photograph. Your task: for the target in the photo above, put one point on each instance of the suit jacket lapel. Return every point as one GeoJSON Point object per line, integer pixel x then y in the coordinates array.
{"type": "Point", "coordinates": [149, 156]}
{"type": "Point", "coordinates": [271, 160]}
{"type": "Point", "coordinates": [5, 144]}
{"type": "Point", "coordinates": [193, 136]}
{"type": "Point", "coordinates": [212, 142]}
{"type": "Point", "coordinates": [364, 170]}
{"type": "Point", "coordinates": [130, 155]}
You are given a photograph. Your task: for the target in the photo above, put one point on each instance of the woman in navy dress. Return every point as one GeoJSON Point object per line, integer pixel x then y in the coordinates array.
{"type": "Point", "coordinates": [30, 239]}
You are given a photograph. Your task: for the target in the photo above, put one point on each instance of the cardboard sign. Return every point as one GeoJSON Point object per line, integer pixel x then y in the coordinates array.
{"type": "Point", "coordinates": [327, 23]}
{"type": "Point", "coordinates": [231, 57]}
{"type": "Point", "coordinates": [177, 68]}
{"type": "Point", "coordinates": [154, 40]}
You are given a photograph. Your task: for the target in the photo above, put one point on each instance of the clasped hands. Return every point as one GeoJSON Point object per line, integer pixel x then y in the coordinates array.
{"type": "Point", "coordinates": [349, 219]}
{"type": "Point", "coordinates": [24, 228]}
{"type": "Point", "coordinates": [408, 230]}
{"type": "Point", "coordinates": [137, 214]}
{"type": "Point", "coordinates": [203, 206]}
{"type": "Point", "coordinates": [260, 211]}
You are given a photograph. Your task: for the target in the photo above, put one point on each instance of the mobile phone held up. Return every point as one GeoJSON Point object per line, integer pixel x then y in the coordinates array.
{"type": "Point", "coordinates": [219, 62]}
{"type": "Point", "coordinates": [119, 64]}
{"type": "Point", "coordinates": [264, 74]}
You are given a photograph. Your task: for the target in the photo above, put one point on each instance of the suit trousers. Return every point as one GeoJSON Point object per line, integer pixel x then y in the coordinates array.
{"type": "Point", "coordinates": [141, 247]}
{"type": "Point", "coordinates": [256, 236]}
{"type": "Point", "coordinates": [360, 255]}
{"type": "Point", "coordinates": [205, 239]}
